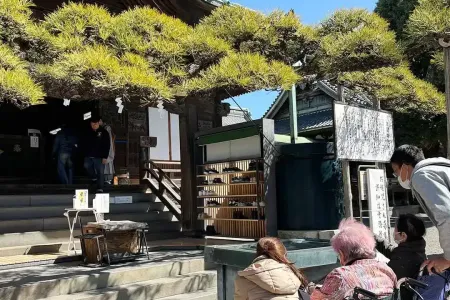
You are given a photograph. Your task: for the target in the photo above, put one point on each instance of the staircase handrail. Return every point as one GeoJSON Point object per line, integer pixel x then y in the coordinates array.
{"type": "Point", "coordinates": [163, 174]}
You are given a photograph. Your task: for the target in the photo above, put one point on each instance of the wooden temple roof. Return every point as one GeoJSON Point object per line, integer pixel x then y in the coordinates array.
{"type": "Point", "coordinates": [190, 11]}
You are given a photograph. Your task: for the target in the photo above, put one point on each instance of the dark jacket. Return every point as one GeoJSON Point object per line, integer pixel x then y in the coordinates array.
{"type": "Point", "coordinates": [97, 143]}
{"type": "Point", "coordinates": [405, 259]}
{"type": "Point", "coordinates": [65, 142]}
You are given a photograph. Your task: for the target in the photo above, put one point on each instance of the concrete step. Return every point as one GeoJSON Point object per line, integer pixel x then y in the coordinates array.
{"type": "Point", "coordinates": [151, 289]}
{"type": "Point", "coordinates": [210, 294]}
{"type": "Point", "coordinates": [60, 223]}
{"type": "Point", "coordinates": [33, 189]}
{"type": "Point", "coordinates": [62, 199]}
{"type": "Point", "coordinates": [179, 273]}
{"type": "Point", "coordinates": [17, 213]}
{"type": "Point", "coordinates": [57, 241]}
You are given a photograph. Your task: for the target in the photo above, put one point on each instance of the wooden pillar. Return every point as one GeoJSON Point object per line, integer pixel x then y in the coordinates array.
{"type": "Point", "coordinates": [188, 127]}
{"type": "Point", "coordinates": [347, 180]}
{"type": "Point", "coordinates": [445, 44]}
{"type": "Point", "coordinates": [293, 113]}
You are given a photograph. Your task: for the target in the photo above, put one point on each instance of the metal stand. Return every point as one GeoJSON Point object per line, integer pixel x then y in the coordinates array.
{"type": "Point", "coordinates": [361, 188]}
{"type": "Point", "coordinates": [143, 242]}
{"type": "Point", "coordinates": [72, 224]}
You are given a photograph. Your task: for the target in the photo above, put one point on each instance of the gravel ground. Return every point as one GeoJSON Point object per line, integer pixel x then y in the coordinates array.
{"type": "Point", "coordinates": [432, 239]}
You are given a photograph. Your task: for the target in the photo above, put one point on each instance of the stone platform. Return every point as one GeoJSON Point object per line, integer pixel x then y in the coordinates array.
{"type": "Point", "coordinates": [169, 275]}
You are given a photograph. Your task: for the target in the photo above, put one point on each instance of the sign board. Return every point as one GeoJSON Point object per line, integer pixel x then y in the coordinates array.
{"type": "Point", "coordinates": [363, 134]}
{"type": "Point", "coordinates": [148, 141]}
{"type": "Point", "coordinates": [101, 203]}
{"type": "Point", "coordinates": [123, 199]}
{"type": "Point", "coordinates": [204, 125]}
{"type": "Point", "coordinates": [378, 202]}
{"type": "Point", "coordinates": [34, 141]}
{"type": "Point", "coordinates": [362, 180]}
{"type": "Point", "coordinates": [81, 199]}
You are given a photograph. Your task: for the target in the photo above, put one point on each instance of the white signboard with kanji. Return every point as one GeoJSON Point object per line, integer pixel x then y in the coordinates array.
{"type": "Point", "coordinates": [81, 199]}
{"type": "Point", "coordinates": [34, 141]}
{"type": "Point", "coordinates": [101, 203]}
{"type": "Point", "coordinates": [378, 202]}
{"type": "Point", "coordinates": [363, 134]}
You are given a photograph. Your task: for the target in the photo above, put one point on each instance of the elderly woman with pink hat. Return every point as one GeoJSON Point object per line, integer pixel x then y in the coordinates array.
{"type": "Point", "coordinates": [355, 246]}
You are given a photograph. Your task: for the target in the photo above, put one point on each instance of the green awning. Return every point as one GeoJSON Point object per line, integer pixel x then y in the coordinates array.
{"type": "Point", "coordinates": [228, 135]}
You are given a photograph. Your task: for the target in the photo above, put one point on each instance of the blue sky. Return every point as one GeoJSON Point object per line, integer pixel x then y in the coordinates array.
{"type": "Point", "coordinates": [310, 12]}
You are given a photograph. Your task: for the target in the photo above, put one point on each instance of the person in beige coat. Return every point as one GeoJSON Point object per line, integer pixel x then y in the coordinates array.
{"type": "Point", "coordinates": [271, 276]}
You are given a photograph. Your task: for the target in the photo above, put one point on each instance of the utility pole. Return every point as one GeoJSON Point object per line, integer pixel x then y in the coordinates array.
{"type": "Point", "coordinates": [446, 46]}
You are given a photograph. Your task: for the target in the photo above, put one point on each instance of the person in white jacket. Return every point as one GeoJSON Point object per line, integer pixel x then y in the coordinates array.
{"type": "Point", "coordinates": [429, 181]}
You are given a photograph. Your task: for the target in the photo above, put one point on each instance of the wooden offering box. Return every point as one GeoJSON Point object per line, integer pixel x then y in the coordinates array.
{"type": "Point", "coordinates": [120, 243]}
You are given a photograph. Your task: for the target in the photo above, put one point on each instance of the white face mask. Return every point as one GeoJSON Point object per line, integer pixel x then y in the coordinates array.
{"type": "Point", "coordinates": [398, 238]}
{"type": "Point", "coordinates": [405, 184]}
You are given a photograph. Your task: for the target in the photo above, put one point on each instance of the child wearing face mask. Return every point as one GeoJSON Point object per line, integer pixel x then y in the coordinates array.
{"type": "Point", "coordinates": [408, 256]}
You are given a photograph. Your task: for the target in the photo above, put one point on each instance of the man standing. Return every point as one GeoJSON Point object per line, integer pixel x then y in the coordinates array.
{"type": "Point", "coordinates": [429, 180]}
{"type": "Point", "coordinates": [63, 148]}
{"type": "Point", "coordinates": [97, 150]}
{"type": "Point", "coordinates": [109, 166]}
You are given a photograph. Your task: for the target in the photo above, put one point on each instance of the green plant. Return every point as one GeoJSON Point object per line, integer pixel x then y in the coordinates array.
{"type": "Point", "coordinates": [75, 25]}
{"type": "Point", "coordinates": [97, 73]}
{"type": "Point", "coordinates": [17, 87]}
{"type": "Point", "coordinates": [356, 40]}
{"type": "Point", "coordinates": [398, 89]}
{"type": "Point", "coordinates": [278, 36]}
{"type": "Point", "coordinates": [242, 72]}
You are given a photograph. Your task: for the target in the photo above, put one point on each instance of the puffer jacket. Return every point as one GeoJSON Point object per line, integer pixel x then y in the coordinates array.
{"type": "Point", "coordinates": [405, 260]}
{"type": "Point", "coordinates": [266, 279]}
{"type": "Point", "coordinates": [430, 185]}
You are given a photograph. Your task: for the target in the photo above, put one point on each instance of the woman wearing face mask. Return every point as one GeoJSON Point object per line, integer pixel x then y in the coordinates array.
{"type": "Point", "coordinates": [355, 246]}
{"type": "Point", "coordinates": [429, 181]}
{"type": "Point", "coordinates": [406, 259]}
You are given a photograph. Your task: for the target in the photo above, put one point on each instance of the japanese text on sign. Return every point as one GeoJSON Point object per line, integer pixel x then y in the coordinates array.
{"type": "Point", "coordinates": [363, 134]}
{"type": "Point", "coordinates": [378, 202]}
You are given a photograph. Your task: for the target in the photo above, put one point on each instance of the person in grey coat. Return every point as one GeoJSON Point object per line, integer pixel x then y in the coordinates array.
{"type": "Point", "coordinates": [429, 181]}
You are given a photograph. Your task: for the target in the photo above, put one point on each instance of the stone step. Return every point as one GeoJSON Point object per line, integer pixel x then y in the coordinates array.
{"type": "Point", "coordinates": [151, 289]}
{"type": "Point", "coordinates": [17, 213]}
{"type": "Point", "coordinates": [179, 273]}
{"type": "Point", "coordinates": [61, 199]}
{"type": "Point", "coordinates": [60, 223]}
{"type": "Point", "coordinates": [57, 241]}
{"type": "Point", "coordinates": [33, 189]}
{"type": "Point", "coordinates": [210, 294]}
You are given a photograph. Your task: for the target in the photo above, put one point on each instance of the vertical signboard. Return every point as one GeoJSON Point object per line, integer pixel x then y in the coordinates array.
{"type": "Point", "coordinates": [378, 202]}
{"type": "Point", "coordinates": [81, 199]}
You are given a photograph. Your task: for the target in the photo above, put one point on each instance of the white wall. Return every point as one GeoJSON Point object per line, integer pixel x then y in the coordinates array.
{"type": "Point", "coordinates": [159, 126]}
{"type": "Point", "coordinates": [175, 136]}
{"type": "Point", "coordinates": [248, 147]}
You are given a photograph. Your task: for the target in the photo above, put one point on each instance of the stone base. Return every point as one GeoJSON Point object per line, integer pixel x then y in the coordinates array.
{"type": "Point", "coordinates": [308, 234]}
